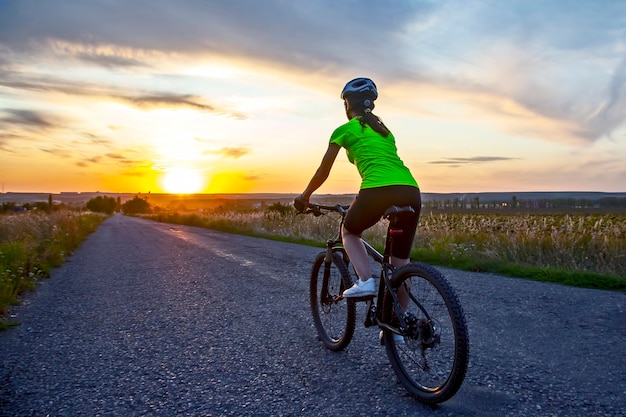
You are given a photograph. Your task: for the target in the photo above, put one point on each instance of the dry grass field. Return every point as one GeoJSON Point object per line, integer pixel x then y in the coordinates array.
{"type": "Point", "coordinates": [32, 243]}
{"type": "Point", "coordinates": [587, 244]}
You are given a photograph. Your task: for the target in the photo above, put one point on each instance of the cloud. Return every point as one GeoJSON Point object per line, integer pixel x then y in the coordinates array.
{"type": "Point", "coordinates": [27, 119]}
{"type": "Point", "coordinates": [455, 162]}
{"type": "Point", "coordinates": [109, 61]}
{"type": "Point", "coordinates": [58, 152]}
{"type": "Point", "coordinates": [272, 29]}
{"type": "Point", "coordinates": [85, 162]}
{"type": "Point", "coordinates": [6, 139]}
{"type": "Point", "coordinates": [613, 111]}
{"type": "Point", "coordinates": [116, 156]}
{"type": "Point", "coordinates": [139, 99]}
{"type": "Point", "coordinates": [117, 159]}
{"type": "Point", "coordinates": [174, 101]}
{"type": "Point", "coordinates": [230, 152]}
{"type": "Point", "coordinates": [561, 63]}
{"type": "Point", "coordinates": [98, 140]}
{"type": "Point", "coordinates": [21, 127]}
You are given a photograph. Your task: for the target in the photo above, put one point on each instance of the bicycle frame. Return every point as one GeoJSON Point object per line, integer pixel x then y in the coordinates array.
{"type": "Point", "coordinates": [373, 315]}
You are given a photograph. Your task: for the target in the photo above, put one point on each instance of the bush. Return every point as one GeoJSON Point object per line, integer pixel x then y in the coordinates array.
{"type": "Point", "coordinates": [136, 206]}
{"type": "Point", "coordinates": [101, 204]}
{"type": "Point", "coordinates": [280, 209]}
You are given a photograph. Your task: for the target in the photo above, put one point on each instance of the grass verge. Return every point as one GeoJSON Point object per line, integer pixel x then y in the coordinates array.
{"type": "Point", "coordinates": [31, 244]}
{"type": "Point", "coordinates": [583, 279]}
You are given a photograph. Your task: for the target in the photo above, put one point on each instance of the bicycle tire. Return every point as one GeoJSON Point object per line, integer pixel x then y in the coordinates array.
{"type": "Point", "coordinates": [431, 366]}
{"type": "Point", "coordinates": [334, 317]}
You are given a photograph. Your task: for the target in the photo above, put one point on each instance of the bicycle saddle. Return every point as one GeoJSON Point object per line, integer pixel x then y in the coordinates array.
{"type": "Point", "coordinates": [393, 210]}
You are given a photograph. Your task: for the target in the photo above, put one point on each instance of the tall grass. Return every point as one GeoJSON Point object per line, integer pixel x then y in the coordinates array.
{"type": "Point", "coordinates": [33, 243]}
{"type": "Point", "coordinates": [576, 249]}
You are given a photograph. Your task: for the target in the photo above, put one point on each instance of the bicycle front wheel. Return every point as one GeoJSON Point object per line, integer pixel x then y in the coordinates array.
{"type": "Point", "coordinates": [334, 316]}
{"type": "Point", "coordinates": [431, 360]}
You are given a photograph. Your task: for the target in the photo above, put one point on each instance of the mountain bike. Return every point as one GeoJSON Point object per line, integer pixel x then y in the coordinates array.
{"type": "Point", "coordinates": [426, 340]}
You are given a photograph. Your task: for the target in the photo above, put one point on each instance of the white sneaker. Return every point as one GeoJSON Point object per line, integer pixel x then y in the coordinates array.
{"type": "Point", "coordinates": [396, 338]}
{"type": "Point", "coordinates": [361, 288]}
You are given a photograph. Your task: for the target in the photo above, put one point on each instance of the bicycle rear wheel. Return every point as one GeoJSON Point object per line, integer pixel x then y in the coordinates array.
{"type": "Point", "coordinates": [432, 361]}
{"type": "Point", "coordinates": [334, 316]}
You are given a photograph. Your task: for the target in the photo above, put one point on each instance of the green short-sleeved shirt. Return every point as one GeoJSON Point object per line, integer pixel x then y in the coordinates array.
{"type": "Point", "coordinates": [375, 156]}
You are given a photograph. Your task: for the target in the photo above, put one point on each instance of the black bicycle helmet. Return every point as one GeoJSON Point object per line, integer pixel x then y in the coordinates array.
{"type": "Point", "coordinates": [359, 86]}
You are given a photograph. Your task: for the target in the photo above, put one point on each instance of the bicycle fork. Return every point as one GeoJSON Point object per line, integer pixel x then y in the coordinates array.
{"type": "Point", "coordinates": [325, 297]}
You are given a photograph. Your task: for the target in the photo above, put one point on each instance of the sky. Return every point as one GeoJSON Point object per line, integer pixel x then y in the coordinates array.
{"type": "Point", "coordinates": [241, 96]}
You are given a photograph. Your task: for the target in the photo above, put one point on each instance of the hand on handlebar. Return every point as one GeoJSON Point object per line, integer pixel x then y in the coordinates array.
{"type": "Point", "coordinates": [301, 204]}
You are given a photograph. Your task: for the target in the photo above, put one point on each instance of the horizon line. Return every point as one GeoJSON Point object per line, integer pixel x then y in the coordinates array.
{"type": "Point", "coordinates": [295, 193]}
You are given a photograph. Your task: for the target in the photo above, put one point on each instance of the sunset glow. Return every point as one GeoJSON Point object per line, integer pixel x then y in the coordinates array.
{"type": "Point", "coordinates": [182, 181]}
{"type": "Point", "coordinates": [481, 96]}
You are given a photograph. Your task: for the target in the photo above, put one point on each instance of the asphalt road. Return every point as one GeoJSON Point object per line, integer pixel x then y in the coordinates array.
{"type": "Point", "coordinates": [150, 319]}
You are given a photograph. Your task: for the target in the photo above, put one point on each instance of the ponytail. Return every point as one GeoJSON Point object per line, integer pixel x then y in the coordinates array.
{"type": "Point", "coordinates": [362, 106]}
{"type": "Point", "coordinates": [366, 117]}
{"type": "Point", "coordinates": [374, 122]}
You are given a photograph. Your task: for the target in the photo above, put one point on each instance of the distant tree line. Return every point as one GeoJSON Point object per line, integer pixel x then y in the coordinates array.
{"type": "Point", "coordinates": [109, 205]}
{"type": "Point", "coordinates": [9, 207]}
{"type": "Point", "coordinates": [100, 204]}
{"type": "Point", "coordinates": [140, 205]}
{"type": "Point", "coordinates": [517, 203]}
{"type": "Point", "coordinates": [605, 202]}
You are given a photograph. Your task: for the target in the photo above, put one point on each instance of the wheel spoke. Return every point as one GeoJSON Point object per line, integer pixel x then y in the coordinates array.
{"type": "Point", "coordinates": [333, 315]}
{"type": "Point", "coordinates": [432, 361]}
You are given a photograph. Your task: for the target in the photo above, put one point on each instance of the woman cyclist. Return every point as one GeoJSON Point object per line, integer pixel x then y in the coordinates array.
{"type": "Point", "coordinates": [385, 182]}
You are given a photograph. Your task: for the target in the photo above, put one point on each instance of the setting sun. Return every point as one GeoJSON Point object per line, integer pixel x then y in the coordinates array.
{"type": "Point", "coordinates": [182, 181]}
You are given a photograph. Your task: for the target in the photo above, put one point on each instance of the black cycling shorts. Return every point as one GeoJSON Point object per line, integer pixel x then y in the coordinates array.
{"type": "Point", "coordinates": [369, 206]}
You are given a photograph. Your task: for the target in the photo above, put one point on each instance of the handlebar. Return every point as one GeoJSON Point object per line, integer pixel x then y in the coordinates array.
{"type": "Point", "coordinates": [320, 209]}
